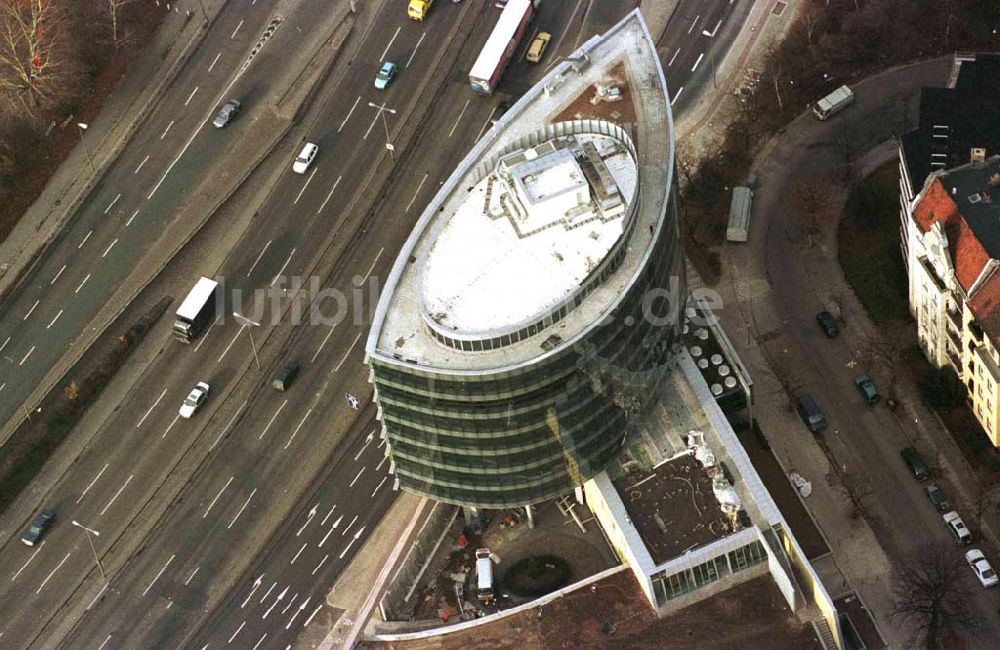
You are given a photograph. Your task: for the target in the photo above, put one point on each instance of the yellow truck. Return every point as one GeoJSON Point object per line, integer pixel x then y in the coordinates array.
{"type": "Point", "coordinates": [418, 9]}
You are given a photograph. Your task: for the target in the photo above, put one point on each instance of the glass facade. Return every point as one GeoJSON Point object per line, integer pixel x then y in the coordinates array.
{"type": "Point", "coordinates": [669, 586]}
{"type": "Point", "coordinates": [537, 431]}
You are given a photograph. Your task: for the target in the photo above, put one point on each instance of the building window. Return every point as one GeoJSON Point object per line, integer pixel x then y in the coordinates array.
{"type": "Point", "coordinates": [675, 585]}
{"type": "Point", "coordinates": [747, 556]}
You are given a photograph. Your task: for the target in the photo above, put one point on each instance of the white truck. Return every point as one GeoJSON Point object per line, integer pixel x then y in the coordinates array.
{"type": "Point", "coordinates": [739, 214]}
{"type": "Point", "coordinates": [197, 311]}
{"type": "Point", "coordinates": [836, 101]}
{"type": "Point", "coordinates": [484, 574]}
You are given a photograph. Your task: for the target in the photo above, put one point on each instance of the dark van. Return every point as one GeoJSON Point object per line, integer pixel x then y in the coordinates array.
{"type": "Point", "coordinates": [810, 414]}
{"type": "Point", "coordinates": [286, 375]}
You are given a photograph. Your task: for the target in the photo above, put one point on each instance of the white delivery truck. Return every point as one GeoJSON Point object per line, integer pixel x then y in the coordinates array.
{"type": "Point", "coordinates": [836, 101]}
{"type": "Point", "coordinates": [739, 214]}
{"type": "Point", "coordinates": [197, 311]}
{"type": "Point", "coordinates": [484, 574]}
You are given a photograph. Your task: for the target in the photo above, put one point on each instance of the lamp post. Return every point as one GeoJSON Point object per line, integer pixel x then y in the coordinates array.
{"type": "Point", "coordinates": [382, 110]}
{"type": "Point", "coordinates": [87, 533]}
{"type": "Point", "coordinates": [246, 324]}
{"type": "Point", "coordinates": [83, 127]}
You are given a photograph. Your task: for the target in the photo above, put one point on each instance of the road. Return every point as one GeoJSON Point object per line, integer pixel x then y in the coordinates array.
{"type": "Point", "coordinates": [171, 498]}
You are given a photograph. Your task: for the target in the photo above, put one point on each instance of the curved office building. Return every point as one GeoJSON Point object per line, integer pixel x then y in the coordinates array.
{"type": "Point", "coordinates": [533, 310]}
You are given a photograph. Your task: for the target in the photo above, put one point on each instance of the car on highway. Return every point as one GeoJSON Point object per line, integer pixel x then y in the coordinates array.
{"type": "Point", "coordinates": [828, 324]}
{"type": "Point", "coordinates": [286, 375]}
{"type": "Point", "coordinates": [385, 75]}
{"type": "Point", "coordinates": [226, 114]}
{"type": "Point", "coordinates": [38, 527]}
{"type": "Point", "coordinates": [809, 411]}
{"type": "Point", "coordinates": [938, 498]}
{"type": "Point", "coordinates": [537, 49]}
{"type": "Point", "coordinates": [498, 112]}
{"type": "Point", "coordinates": [957, 527]}
{"type": "Point", "coordinates": [305, 158]}
{"type": "Point", "coordinates": [915, 462]}
{"type": "Point", "coordinates": [194, 400]}
{"type": "Point", "coordinates": [981, 566]}
{"type": "Point", "coordinates": [867, 389]}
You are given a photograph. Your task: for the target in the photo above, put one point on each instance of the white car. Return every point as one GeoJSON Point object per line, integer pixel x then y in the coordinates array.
{"type": "Point", "coordinates": [194, 400]}
{"type": "Point", "coordinates": [957, 527]}
{"type": "Point", "coordinates": [305, 159]}
{"type": "Point", "coordinates": [987, 576]}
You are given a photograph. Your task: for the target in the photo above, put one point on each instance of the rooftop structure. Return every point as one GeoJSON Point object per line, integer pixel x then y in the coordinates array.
{"type": "Point", "coordinates": [536, 302]}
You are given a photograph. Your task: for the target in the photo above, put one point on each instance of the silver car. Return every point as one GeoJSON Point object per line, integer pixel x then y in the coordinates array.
{"type": "Point", "coordinates": [226, 114]}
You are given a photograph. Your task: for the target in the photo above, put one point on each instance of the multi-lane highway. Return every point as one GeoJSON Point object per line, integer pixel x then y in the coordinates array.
{"type": "Point", "coordinates": [191, 513]}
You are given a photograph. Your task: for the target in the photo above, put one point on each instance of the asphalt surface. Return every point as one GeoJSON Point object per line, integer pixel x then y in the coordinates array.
{"type": "Point", "coordinates": [191, 512]}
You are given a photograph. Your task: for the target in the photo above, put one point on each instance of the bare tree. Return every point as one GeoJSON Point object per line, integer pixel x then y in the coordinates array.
{"type": "Point", "coordinates": [845, 147]}
{"type": "Point", "coordinates": [810, 18]}
{"type": "Point", "coordinates": [33, 58]}
{"type": "Point", "coordinates": [788, 381]}
{"type": "Point", "coordinates": [928, 591]}
{"type": "Point", "coordinates": [113, 10]}
{"type": "Point", "coordinates": [886, 353]}
{"type": "Point", "coordinates": [859, 488]}
{"type": "Point", "coordinates": [983, 498]}
{"type": "Point", "coordinates": [811, 201]}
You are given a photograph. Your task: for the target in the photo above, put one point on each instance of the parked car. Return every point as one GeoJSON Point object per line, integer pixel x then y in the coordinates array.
{"type": "Point", "coordinates": [227, 114]}
{"type": "Point", "coordinates": [537, 49]}
{"type": "Point", "coordinates": [828, 324]}
{"type": "Point", "coordinates": [194, 400]}
{"type": "Point", "coordinates": [938, 498]}
{"type": "Point", "coordinates": [38, 527]}
{"type": "Point", "coordinates": [867, 389]}
{"type": "Point", "coordinates": [385, 75]}
{"type": "Point", "coordinates": [501, 108]}
{"type": "Point", "coordinates": [286, 375]}
{"type": "Point", "coordinates": [305, 158]}
{"type": "Point", "coordinates": [957, 527]}
{"type": "Point", "coordinates": [810, 413]}
{"type": "Point", "coordinates": [987, 576]}
{"type": "Point", "coordinates": [916, 464]}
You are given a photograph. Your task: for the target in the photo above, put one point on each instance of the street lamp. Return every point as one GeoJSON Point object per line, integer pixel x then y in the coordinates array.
{"type": "Point", "coordinates": [87, 533]}
{"type": "Point", "coordinates": [246, 324]}
{"type": "Point", "coordinates": [83, 127]}
{"type": "Point", "coordinates": [382, 110]}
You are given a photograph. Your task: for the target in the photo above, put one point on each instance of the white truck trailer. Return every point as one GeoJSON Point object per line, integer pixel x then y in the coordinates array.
{"type": "Point", "coordinates": [197, 311]}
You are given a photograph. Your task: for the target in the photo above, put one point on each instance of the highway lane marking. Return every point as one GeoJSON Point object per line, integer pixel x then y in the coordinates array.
{"type": "Point", "coordinates": [231, 342]}
{"type": "Point", "coordinates": [82, 283]}
{"type": "Point", "coordinates": [297, 611]}
{"type": "Point", "coordinates": [167, 129]}
{"type": "Point", "coordinates": [240, 512]}
{"type": "Point", "coordinates": [273, 418]}
{"type": "Point", "coordinates": [308, 180]}
{"type": "Point", "coordinates": [422, 180]}
{"type": "Point", "coordinates": [372, 125]}
{"type": "Point", "coordinates": [80, 245]}
{"type": "Point", "coordinates": [100, 647]}
{"type": "Point", "coordinates": [204, 336]}
{"type": "Point", "coordinates": [191, 96]}
{"type": "Point", "coordinates": [171, 425]}
{"type": "Point", "coordinates": [51, 282]}
{"type": "Point", "coordinates": [150, 586]}
{"type": "Point", "coordinates": [348, 527]}
{"type": "Point", "coordinates": [51, 573]}
{"type": "Point", "coordinates": [455, 125]}
{"type": "Point", "coordinates": [262, 251]}
{"type": "Point", "coordinates": [696, 63]}
{"type": "Point", "coordinates": [214, 61]}
{"type": "Point", "coordinates": [299, 553]}
{"type": "Point", "coordinates": [100, 593]}
{"type": "Point", "coordinates": [27, 355]}
{"type": "Point", "coordinates": [365, 446]}
{"type": "Point", "coordinates": [330, 532]}
{"type": "Point", "coordinates": [87, 489]}
{"type": "Point", "coordinates": [261, 640]}
{"type": "Point", "coordinates": [674, 57]}
{"type": "Point", "coordinates": [2, 386]}
{"type": "Point", "coordinates": [112, 204]}
{"type": "Point", "coordinates": [31, 310]}
{"type": "Point", "coordinates": [346, 354]}
{"type": "Point", "coordinates": [290, 603]}
{"type": "Point", "coordinates": [233, 35]}
{"type": "Point", "coordinates": [351, 543]}
{"type": "Point", "coordinates": [129, 222]}
{"type": "Point", "coordinates": [572, 17]}
{"type": "Point", "coordinates": [349, 113]}
{"type": "Point", "coordinates": [127, 481]}
{"type": "Point", "coordinates": [231, 420]}
{"type": "Point", "coordinates": [381, 462]}
{"type": "Point", "coordinates": [108, 249]}
{"type": "Point", "coordinates": [244, 622]}
{"type": "Point", "coordinates": [325, 339]}
{"type": "Point", "coordinates": [301, 422]}
{"type": "Point", "coordinates": [372, 267]}
{"type": "Point", "coordinates": [386, 50]}
{"type": "Point", "coordinates": [309, 517]}
{"type": "Point", "coordinates": [191, 577]}
{"type": "Point", "coordinates": [327, 199]}
{"type": "Point", "coordinates": [282, 269]}
{"type": "Point", "coordinates": [25, 565]}
{"type": "Point", "coordinates": [323, 523]}
{"type": "Point", "coordinates": [379, 486]}
{"type": "Point", "coordinates": [179, 156]}
{"type": "Point", "coordinates": [678, 94]}
{"type": "Point", "coordinates": [264, 597]}
{"type": "Point", "coordinates": [410, 60]}
{"type": "Point", "coordinates": [8, 340]}
{"type": "Point", "coordinates": [485, 124]}
{"type": "Point", "coordinates": [144, 160]}
{"type": "Point", "coordinates": [693, 23]}
{"type": "Point", "coordinates": [53, 321]}
{"type": "Point", "coordinates": [275, 603]}
{"type": "Point", "coordinates": [212, 505]}
{"type": "Point", "coordinates": [711, 34]}
{"type": "Point", "coordinates": [309, 620]}
{"type": "Point", "coordinates": [320, 564]}
{"type": "Point", "coordinates": [139, 424]}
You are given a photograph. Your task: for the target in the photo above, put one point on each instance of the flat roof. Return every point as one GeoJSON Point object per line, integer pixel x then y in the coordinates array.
{"type": "Point", "coordinates": [975, 189]}
{"type": "Point", "coordinates": [201, 292]}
